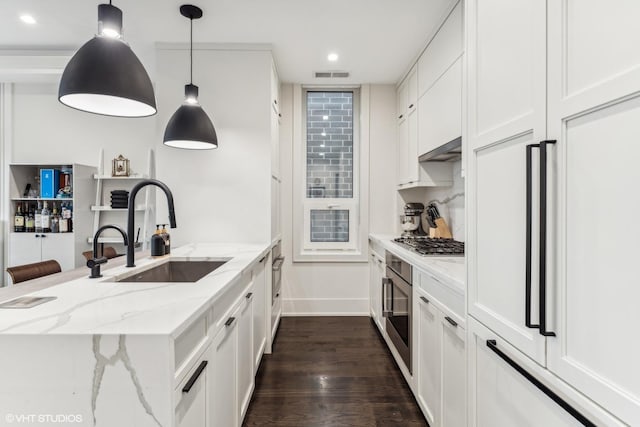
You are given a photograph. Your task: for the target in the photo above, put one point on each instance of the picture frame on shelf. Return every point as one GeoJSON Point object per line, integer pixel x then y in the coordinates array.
{"type": "Point", "coordinates": [120, 166]}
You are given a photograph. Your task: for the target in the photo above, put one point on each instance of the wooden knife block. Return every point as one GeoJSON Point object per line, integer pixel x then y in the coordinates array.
{"type": "Point", "coordinates": [442, 230]}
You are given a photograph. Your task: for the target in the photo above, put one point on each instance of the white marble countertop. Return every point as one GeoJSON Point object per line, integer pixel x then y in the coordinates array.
{"type": "Point", "coordinates": [102, 306]}
{"type": "Point", "coordinates": [451, 269]}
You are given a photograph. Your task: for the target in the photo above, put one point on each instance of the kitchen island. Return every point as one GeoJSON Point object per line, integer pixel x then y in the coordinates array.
{"type": "Point", "coordinates": [109, 353]}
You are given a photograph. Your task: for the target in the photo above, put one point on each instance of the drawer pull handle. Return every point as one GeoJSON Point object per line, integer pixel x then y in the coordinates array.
{"type": "Point", "coordinates": [278, 295]}
{"type": "Point", "coordinates": [426, 301]}
{"type": "Point", "coordinates": [194, 377]}
{"type": "Point", "coordinates": [411, 106]}
{"type": "Point", "coordinates": [543, 388]}
{"type": "Point", "coordinates": [263, 258]}
{"type": "Point", "coordinates": [229, 321]}
{"type": "Point", "coordinates": [249, 295]}
{"type": "Point", "coordinates": [400, 116]}
{"type": "Point", "coordinates": [451, 321]}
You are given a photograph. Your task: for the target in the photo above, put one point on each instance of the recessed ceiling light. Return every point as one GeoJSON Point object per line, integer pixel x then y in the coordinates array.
{"type": "Point", "coordinates": [325, 117]}
{"type": "Point", "coordinates": [27, 19]}
{"type": "Point", "coordinates": [333, 57]}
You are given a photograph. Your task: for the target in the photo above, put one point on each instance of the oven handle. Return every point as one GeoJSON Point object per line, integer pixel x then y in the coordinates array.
{"type": "Point", "coordinates": [386, 284]}
{"type": "Point", "coordinates": [277, 263]}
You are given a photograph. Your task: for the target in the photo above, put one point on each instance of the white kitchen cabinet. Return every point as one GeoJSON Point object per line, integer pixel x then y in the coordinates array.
{"type": "Point", "coordinates": [594, 115]}
{"type": "Point", "coordinates": [443, 50]}
{"type": "Point", "coordinates": [65, 248]}
{"type": "Point", "coordinates": [259, 311]}
{"type": "Point", "coordinates": [403, 151]}
{"type": "Point", "coordinates": [27, 248]}
{"type": "Point", "coordinates": [454, 387]}
{"type": "Point", "coordinates": [223, 387]}
{"type": "Point", "coordinates": [506, 113]}
{"type": "Point", "coordinates": [441, 370]}
{"type": "Point", "coordinates": [276, 211]}
{"type": "Point", "coordinates": [440, 110]}
{"type": "Point", "coordinates": [377, 268]}
{"type": "Point", "coordinates": [500, 395]}
{"type": "Point", "coordinates": [402, 100]}
{"type": "Point", "coordinates": [245, 353]}
{"type": "Point", "coordinates": [429, 383]}
{"type": "Point", "coordinates": [192, 408]}
{"type": "Point", "coordinates": [580, 299]}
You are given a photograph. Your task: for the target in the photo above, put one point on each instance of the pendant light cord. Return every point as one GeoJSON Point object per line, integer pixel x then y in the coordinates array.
{"type": "Point", "coordinates": [191, 49]}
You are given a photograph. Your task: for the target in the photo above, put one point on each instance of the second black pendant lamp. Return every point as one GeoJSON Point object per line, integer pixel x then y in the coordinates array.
{"type": "Point", "coordinates": [190, 127]}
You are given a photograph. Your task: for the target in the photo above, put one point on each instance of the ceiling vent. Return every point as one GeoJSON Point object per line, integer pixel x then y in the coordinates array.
{"type": "Point", "coordinates": [330, 74]}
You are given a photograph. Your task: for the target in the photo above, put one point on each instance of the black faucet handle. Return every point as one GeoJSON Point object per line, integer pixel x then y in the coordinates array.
{"type": "Point", "coordinates": [97, 261]}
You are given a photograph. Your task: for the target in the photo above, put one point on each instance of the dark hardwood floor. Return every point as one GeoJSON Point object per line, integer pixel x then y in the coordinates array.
{"type": "Point", "coordinates": [331, 371]}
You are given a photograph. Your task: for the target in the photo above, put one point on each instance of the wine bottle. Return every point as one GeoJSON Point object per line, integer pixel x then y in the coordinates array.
{"type": "Point", "coordinates": [18, 220]}
{"type": "Point", "coordinates": [30, 222]}
{"type": "Point", "coordinates": [55, 220]}
{"type": "Point", "coordinates": [46, 219]}
{"type": "Point", "coordinates": [63, 222]}
{"type": "Point", "coordinates": [38, 217]}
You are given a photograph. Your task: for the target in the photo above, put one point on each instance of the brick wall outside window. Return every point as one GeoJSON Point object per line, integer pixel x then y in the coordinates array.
{"type": "Point", "coordinates": [330, 145]}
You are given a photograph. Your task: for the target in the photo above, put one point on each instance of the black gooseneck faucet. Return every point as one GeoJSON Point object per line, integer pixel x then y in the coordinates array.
{"type": "Point", "coordinates": [132, 210]}
{"type": "Point", "coordinates": [94, 264]}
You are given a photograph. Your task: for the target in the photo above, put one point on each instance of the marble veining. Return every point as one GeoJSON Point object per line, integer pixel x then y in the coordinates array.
{"type": "Point", "coordinates": [105, 306]}
{"type": "Point", "coordinates": [103, 361]}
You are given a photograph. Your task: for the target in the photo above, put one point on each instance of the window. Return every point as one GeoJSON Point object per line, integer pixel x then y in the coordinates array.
{"type": "Point", "coordinates": [329, 179]}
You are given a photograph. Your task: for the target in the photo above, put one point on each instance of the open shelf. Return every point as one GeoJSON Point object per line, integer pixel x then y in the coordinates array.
{"type": "Point", "coordinates": [107, 208]}
{"type": "Point", "coordinates": [39, 199]}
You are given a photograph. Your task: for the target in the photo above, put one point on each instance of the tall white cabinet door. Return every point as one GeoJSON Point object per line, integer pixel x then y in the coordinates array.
{"type": "Point", "coordinates": [245, 354]}
{"type": "Point", "coordinates": [429, 360]}
{"type": "Point", "coordinates": [223, 385]}
{"type": "Point", "coordinates": [454, 369]}
{"type": "Point", "coordinates": [506, 111]}
{"type": "Point", "coordinates": [594, 113]}
{"type": "Point", "coordinates": [403, 151]}
{"type": "Point", "coordinates": [259, 312]}
{"type": "Point", "coordinates": [499, 395]}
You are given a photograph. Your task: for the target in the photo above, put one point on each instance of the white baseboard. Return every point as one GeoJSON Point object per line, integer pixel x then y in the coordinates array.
{"type": "Point", "coordinates": [325, 307]}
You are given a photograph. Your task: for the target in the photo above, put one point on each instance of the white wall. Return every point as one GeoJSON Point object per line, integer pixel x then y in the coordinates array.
{"type": "Point", "coordinates": [338, 288]}
{"type": "Point", "coordinates": [45, 131]}
{"type": "Point", "coordinates": [222, 194]}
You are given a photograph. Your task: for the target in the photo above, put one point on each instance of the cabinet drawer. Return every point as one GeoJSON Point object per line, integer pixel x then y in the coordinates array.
{"type": "Point", "coordinates": [448, 299]}
{"type": "Point", "coordinates": [226, 303]}
{"type": "Point", "coordinates": [188, 344]}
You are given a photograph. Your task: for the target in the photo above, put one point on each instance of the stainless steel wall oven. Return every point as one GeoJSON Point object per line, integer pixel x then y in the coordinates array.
{"type": "Point", "coordinates": [397, 305]}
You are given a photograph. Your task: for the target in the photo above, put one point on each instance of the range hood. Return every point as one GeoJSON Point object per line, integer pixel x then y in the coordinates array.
{"type": "Point", "coordinates": [449, 152]}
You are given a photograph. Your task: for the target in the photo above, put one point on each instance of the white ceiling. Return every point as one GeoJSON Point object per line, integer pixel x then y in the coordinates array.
{"type": "Point", "coordinates": [376, 39]}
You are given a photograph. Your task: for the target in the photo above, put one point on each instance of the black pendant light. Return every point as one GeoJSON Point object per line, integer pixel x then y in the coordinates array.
{"type": "Point", "coordinates": [190, 127]}
{"type": "Point", "coordinates": [105, 76]}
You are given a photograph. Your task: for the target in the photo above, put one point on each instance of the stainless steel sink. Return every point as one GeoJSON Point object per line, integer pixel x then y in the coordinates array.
{"type": "Point", "coordinates": [174, 271]}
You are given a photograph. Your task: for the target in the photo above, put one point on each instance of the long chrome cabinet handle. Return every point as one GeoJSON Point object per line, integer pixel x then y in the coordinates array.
{"type": "Point", "coordinates": [543, 239]}
{"type": "Point", "coordinates": [543, 388]}
{"type": "Point", "coordinates": [527, 283]}
{"type": "Point", "coordinates": [194, 377]}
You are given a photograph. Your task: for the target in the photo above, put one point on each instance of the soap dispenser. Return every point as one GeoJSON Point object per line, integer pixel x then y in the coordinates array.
{"type": "Point", "coordinates": [167, 239]}
{"type": "Point", "coordinates": [157, 243]}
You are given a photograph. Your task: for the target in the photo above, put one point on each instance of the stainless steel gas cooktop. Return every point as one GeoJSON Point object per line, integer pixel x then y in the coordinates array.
{"type": "Point", "coordinates": [426, 246]}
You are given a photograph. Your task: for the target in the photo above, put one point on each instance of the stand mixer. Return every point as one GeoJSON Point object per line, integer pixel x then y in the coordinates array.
{"type": "Point", "coordinates": [410, 221]}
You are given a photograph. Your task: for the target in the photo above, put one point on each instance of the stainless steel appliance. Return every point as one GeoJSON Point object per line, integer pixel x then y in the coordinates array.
{"type": "Point", "coordinates": [397, 305]}
{"type": "Point", "coordinates": [410, 221]}
{"type": "Point", "coordinates": [276, 272]}
{"type": "Point", "coordinates": [426, 246]}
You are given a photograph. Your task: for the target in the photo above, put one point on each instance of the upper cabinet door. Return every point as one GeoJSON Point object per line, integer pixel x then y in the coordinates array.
{"type": "Point", "coordinates": [506, 56]}
{"type": "Point", "coordinates": [594, 114]}
{"type": "Point", "coordinates": [402, 99]}
{"type": "Point", "coordinates": [506, 112]}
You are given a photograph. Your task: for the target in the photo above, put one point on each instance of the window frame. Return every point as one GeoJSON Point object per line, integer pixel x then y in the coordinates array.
{"type": "Point", "coordinates": [354, 250]}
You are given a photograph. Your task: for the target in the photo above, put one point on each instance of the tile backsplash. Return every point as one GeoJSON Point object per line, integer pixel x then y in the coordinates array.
{"type": "Point", "coordinates": [450, 202]}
